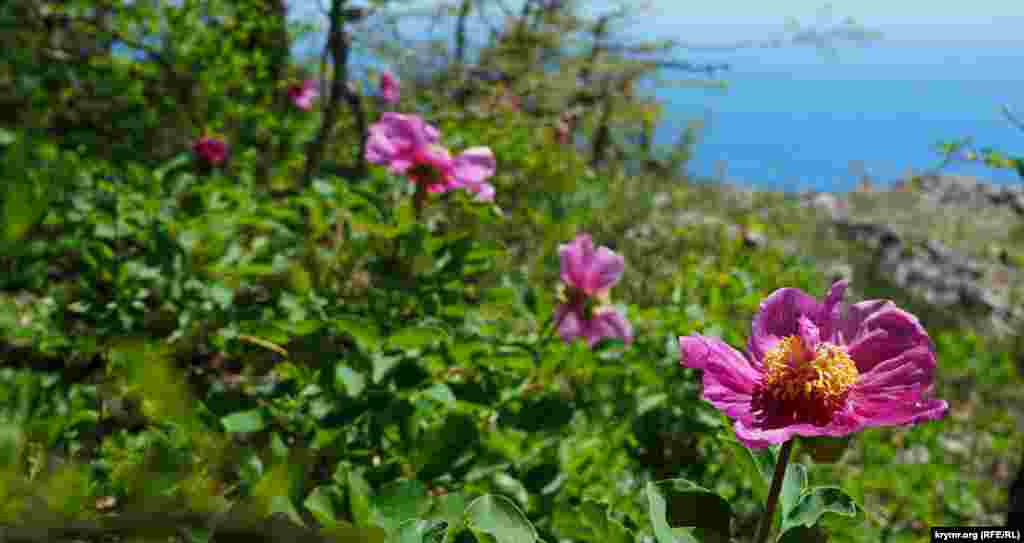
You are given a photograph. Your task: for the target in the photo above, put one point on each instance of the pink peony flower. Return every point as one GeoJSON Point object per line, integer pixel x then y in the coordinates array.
{"type": "Point", "coordinates": [211, 150]}
{"type": "Point", "coordinates": [303, 95]}
{"type": "Point", "coordinates": [409, 146]}
{"type": "Point", "coordinates": [471, 169]}
{"type": "Point", "coordinates": [396, 140]}
{"type": "Point", "coordinates": [587, 275]}
{"type": "Point", "coordinates": [813, 370]}
{"type": "Point", "coordinates": [390, 90]}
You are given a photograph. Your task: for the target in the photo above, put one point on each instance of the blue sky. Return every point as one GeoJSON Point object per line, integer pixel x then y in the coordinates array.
{"type": "Point", "coordinates": [949, 21]}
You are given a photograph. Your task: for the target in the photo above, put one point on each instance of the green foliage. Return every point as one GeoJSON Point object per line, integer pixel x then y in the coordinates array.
{"type": "Point", "coordinates": [323, 357]}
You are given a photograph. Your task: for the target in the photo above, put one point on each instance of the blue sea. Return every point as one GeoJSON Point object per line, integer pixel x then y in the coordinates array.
{"type": "Point", "coordinates": [797, 118]}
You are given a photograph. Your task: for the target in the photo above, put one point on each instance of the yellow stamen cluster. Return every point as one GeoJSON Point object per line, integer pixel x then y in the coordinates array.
{"type": "Point", "coordinates": [807, 385]}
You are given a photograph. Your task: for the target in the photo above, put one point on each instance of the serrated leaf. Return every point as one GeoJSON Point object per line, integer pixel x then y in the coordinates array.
{"type": "Point", "coordinates": [818, 501]}
{"type": "Point", "coordinates": [497, 516]}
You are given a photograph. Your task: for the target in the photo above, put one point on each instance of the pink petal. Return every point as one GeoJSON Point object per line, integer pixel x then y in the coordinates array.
{"type": "Point", "coordinates": [603, 271]}
{"type": "Point", "coordinates": [484, 192]}
{"type": "Point", "coordinates": [474, 166]}
{"type": "Point", "coordinates": [570, 323]}
{"type": "Point", "coordinates": [777, 318]}
{"type": "Point", "coordinates": [574, 256]}
{"type": "Point", "coordinates": [755, 436]}
{"type": "Point", "coordinates": [886, 334]}
{"type": "Point", "coordinates": [851, 323]}
{"type": "Point", "coordinates": [379, 149]}
{"type": "Point", "coordinates": [914, 367]}
{"type": "Point", "coordinates": [729, 380]}
{"type": "Point", "coordinates": [608, 323]}
{"type": "Point", "coordinates": [809, 333]}
{"type": "Point", "coordinates": [389, 88]}
{"type": "Point", "coordinates": [829, 318]}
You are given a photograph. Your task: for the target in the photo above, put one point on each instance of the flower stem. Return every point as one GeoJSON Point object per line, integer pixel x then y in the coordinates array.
{"type": "Point", "coordinates": [773, 494]}
{"type": "Point", "coordinates": [419, 199]}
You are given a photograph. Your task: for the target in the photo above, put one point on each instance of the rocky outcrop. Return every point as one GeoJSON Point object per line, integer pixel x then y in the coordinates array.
{"type": "Point", "coordinates": [928, 269]}
{"type": "Point", "coordinates": [972, 192]}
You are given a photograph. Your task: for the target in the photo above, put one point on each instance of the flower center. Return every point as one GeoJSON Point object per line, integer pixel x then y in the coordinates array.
{"type": "Point", "coordinates": [589, 305]}
{"type": "Point", "coordinates": [425, 171]}
{"type": "Point", "coordinates": [805, 385]}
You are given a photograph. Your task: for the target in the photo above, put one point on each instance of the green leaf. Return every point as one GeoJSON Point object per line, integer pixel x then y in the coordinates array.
{"type": "Point", "coordinates": [420, 531]}
{"type": "Point", "coordinates": [343, 532]}
{"type": "Point", "coordinates": [382, 366]}
{"type": "Point", "coordinates": [417, 337]}
{"type": "Point", "coordinates": [451, 508]}
{"type": "Point", "coordinates": [321, 503]}
{"type": "Point", "coordinates": [497, 516]}
{"type": "Point", "coordinates": [689, 505]}
{"type": "Point", "coordinates": [441, 393]}
{"type": "Point", "coordinates": [792, 487]}
{"type": "Point", "coordinates": [818, 501]}
{"type": "Point", "coordinates": [359, 495]}
{"type": "Point", "coordinates": [759, 465]}
{"type": "Point", "coordinates": [803, 534]}
{"type": "Point", "coordinates": [349, 380]}
{"type": "Point", "coordinates": [398, 502]}
{"type": "Point", "coordinates": [12, 442]}
{"type": "Point", "coordinates": [244, 422]}
{"type": "Point", "coordinates": [658, 505]}
{"type": "Point", "coordinates": [507, 484]}
{"type": "Point", "coordinates": [25, 203]}
{"type": "Point", "coordinates": [604, 528]}
{"type": "Point", "coordinates": [363, 331]}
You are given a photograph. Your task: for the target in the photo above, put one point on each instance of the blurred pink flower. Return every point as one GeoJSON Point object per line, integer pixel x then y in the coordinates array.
{"type": "Point", "coordinates": [587, 275]}
{"type": "Point", "coordinates": [409, 146]}
{"type": "Point", "coordinates": [813, 370]}
{"type": "Point", "coordinates": [302, 95]}
{"type": "Point", "coordinates": [471, 170]}
{"type": "Point", "coordinates": [390, 90]}
{"type": "Point", "coordinates": [211, 150]}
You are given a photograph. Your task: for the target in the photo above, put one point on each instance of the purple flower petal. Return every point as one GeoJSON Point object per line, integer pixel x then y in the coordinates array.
{"type": "Point", "coordinates": [809, 333]}
{"type": "Point", "coordinates": [729, 380]}
{"type": "Point", "coordinates": [589, 270]}
{"type": "Point", "coordinates": [886, 334]}
{"type": "Point", "coordinates": [474, 166]}
{"type": "Point", "coordinates": [570, 322]}
{"type": "Point", "coordinates": [756, 436]}
{"type": "Point", "coordinates": [390, 90]}
{"type": "Point", "coordinates": [777, 318]}
{"type": "Point", "coordinates": [829, 318]}
{"type": "Point", "coordinates": [608, 323]}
